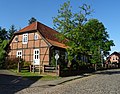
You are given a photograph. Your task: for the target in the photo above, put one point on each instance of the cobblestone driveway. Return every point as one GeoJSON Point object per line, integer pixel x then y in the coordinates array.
{"type": "Point", "coordinates": [106, 82]}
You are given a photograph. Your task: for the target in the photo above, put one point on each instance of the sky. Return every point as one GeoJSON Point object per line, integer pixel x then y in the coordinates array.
{"type": "Point", "coordinates": [18, 12]}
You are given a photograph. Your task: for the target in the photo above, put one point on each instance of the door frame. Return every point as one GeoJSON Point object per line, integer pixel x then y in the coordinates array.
{"type": "Point", "coordinates": [36, 57]}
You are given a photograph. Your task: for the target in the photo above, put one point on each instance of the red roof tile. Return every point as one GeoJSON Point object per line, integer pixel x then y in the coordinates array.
{"type": "Point", "coordinates": [48, 33]}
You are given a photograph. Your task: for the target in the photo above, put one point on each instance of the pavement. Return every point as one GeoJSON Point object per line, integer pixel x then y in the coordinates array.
{"type": "Point", "coordinates": [48, 82]}
{"type": "Point", "coordinates": [103, 82]}
{"type": "Point", "coordinates": [62, 80]}
{"type": "Point", "coordinates": [11, 84]}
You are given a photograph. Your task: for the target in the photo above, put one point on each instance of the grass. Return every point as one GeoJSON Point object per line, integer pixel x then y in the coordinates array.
{"type": "Point", "coordinates": [34, 76]}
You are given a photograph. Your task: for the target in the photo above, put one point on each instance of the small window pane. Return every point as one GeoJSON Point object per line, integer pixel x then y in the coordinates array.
{"type": "Point", "coordinates": [37, 56]}
{"type": "Point", "coordinates": [37, 52]}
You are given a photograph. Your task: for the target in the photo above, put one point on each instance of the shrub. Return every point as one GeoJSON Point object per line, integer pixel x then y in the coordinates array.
{"type": "Point", "coordinates": [11, 63]}
{"type": "Point", "coordinates": [25, 64]}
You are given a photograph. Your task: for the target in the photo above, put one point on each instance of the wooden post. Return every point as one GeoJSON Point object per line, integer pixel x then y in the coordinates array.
{"type": "Point", "coordinates": [39, 69]}
{"type": "Point", "coordinates": [43, 70]}
{"type": "Point", "coordinates": [58, 70]}
{"type": "Point", "coordinates": [30, 68]}
{"type": "Point", "coordinates": [18, 67]}
{"type": "Point", "coordinates": [33, 68]}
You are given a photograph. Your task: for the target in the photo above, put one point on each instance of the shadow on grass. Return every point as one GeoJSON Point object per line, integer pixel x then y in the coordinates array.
{"type": "Point", "coordinates": [11, 84]}
{"type": "Point", "coordinates": [33, 78]}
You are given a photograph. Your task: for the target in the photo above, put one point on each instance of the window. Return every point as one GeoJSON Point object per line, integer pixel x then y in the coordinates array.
{"type": "Point", "coordinates": [113, 58]}
{"type": "Point", "coordinates": [19, 54]}
{"type": "Point", "coordinates": [25, 38]}
{"type": "Point", "coordinates": [16, 39]}
{"type": "Point", "coordinates": [36, 36]}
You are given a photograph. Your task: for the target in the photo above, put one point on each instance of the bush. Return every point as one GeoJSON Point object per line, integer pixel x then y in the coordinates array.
{"type": "Point", "coordinates": [25, 64]}
{"type": "Point", "coordinates": [11, 63]}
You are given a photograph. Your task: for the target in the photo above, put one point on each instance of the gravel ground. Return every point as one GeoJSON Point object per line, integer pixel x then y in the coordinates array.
{"type": "Point", "coordinates": [107, 82]}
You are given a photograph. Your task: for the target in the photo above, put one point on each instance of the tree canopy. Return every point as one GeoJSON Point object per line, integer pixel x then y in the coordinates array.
{"type": "Point", "coordinates": [11, 31]}
{"type": "Point", "coordinates": [85, 35]}
{"type": "Point", "coordinates": [3, 34]}
{"type": "Point", "coordinates": [3, 43]}
{"type": "Point", "coordinates": [31, 20]}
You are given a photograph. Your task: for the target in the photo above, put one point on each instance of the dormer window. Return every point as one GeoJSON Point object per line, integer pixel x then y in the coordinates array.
{"type": "Point", "coordinates": [36, 37]}
{"type": "Point", "coordinates": [25, 38]}
{"type": "Point", "coordinates": [16, 39]}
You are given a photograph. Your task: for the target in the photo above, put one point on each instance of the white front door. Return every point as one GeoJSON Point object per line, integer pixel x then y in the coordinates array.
{"type": "Point", "coordinates": [36, 57]}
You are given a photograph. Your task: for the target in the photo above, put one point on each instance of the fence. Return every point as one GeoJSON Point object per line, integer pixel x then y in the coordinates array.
{"type": "Point", "coordinates": [51, 69]}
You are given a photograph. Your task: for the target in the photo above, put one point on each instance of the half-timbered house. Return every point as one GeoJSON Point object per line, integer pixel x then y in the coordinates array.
{"type": "Point", "coordinates": [36, 44]}
{"type": "Point", "coordinates": [113, 59]}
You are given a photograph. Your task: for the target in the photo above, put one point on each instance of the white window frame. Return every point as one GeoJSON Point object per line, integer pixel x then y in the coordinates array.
{"type": "Point", "coordinates": [25, 38]}
{"type": "Point", "coordinates": [19, 54]}
{"type": "Point", "coordinates": [36, 37]}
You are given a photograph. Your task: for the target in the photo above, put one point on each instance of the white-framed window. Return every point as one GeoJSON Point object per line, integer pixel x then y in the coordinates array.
{"type": "Point", "coordinates": [16, 38]}
{"type": "Point", "coordinates": [19, 54]}
{"type": "Point", "coordinates": [25, 38]}
{"type": "Point", "coordinates": [36, 37]}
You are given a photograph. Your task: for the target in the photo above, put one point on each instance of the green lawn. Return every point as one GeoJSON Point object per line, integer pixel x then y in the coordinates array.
{"type": "Point", "coordinates": [34, 76]}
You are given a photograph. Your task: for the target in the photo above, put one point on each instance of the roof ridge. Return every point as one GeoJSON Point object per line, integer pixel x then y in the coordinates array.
{"type": "Point", "coordinates": [47, 26]}
{"type": "Point", "coordinates": [46, 31]}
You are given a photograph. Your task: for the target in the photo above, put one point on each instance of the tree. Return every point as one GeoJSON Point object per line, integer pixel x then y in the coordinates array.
{"type": "Point", "coordinates": [84, 35]}
{"type": "Point", "coordinates": [3, 43]}
{"type": "Point", "coordinates": [98, 40]}
{"type": "Point", "coordinates": [11, 31]}
{"type": "Point", "coordinates": [71, 26]}
{"type": "Point", "coordinates": [3, 52]}
{"type": "Point", "coordinates": [32, 20]}
{"type": "Point", "coordinates": [3, 34]}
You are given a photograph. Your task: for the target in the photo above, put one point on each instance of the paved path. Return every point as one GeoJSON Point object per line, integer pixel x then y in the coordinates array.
{"type": "Point", "coordinates": [105, 82]}
{"type": "Point", "coordinates": [10, 83]}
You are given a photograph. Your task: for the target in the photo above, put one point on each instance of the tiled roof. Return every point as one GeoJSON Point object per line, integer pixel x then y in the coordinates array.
{"type": "Point", "coordinates": [115, 53]}
{"type": "Point", "coordinates": [48, 33]}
